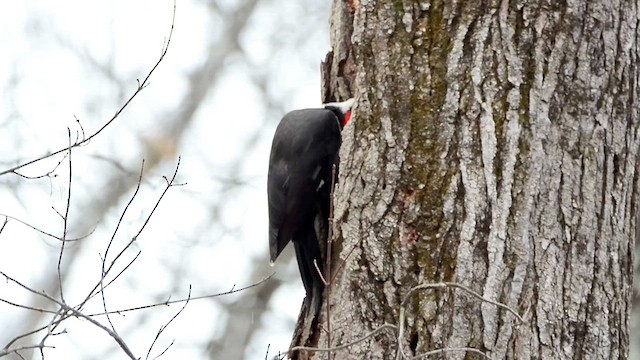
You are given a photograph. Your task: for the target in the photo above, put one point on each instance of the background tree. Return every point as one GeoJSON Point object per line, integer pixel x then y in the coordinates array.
{"type": "Point", "coordinates": [231, 70]}
{"type": "Point", "coordinates": [494, 146]}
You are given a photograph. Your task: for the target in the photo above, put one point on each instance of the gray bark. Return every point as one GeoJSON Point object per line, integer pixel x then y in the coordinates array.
{"type": "Point", "coordinates": [493, 145]}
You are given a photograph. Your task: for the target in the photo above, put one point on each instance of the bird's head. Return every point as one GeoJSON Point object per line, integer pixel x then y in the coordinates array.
{"type": "Point", "coordinates": [342, 110]}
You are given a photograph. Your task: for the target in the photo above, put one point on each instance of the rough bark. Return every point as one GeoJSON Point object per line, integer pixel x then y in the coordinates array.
{"type": "Point", "coordinates": [494, 145]}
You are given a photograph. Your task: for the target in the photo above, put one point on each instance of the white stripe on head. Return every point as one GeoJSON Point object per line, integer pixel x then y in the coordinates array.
{"type": "Point", "coordinates": [344, 106]}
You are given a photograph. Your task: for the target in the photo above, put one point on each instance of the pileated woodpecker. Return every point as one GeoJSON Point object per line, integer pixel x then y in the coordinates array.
{"type": "Point", "coordinates": [304, 150]}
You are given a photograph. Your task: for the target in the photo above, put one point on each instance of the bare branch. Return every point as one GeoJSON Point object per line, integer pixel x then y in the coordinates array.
{"type": "Point", "coordinates": [66, 220]}
{"type": "Point", "coordinates": [118, 275]}
{"type": "Point", "coordinates": [315, 264]}
{"type": "Point", "coordinates": [400, 328]}
{"type": "Point", "coordinates": [343, 262]}
{"type": "Point", "coordinates": [47, 174]}
{"type": "Point", "coordinates": [5, 352]}
{"type": "Point", "coordinates": [4, 223]}
{"type": "Point", "coordinates": [100, 284]}
{"type": "Point", "coordinates": [336, 348]}
{"type": "Point", "coordinates": [29, 333]}
{"type": "Point", "coordinates": [103, 273]}
{"type": "Point", "coordinates": [432, 286]}
{"type": "Point", "coordinates": [33, 227]}
{"type": "Point", "coordinates": [65, 311]}
{"type": "Point", "coordinates": [27, 307]}
{"type": "Point", "coordinates": [444, 350]}
{"type": "Point", "coordinates": [57, 321]}
{"type": "Point", "coordinates": [170, 302]}
{"type": "Point", "coordinates": [163, 328]}
{"type": "Point", "coordinates": [76, 313]}
{"type": "Point", "coordinates": [329, 242]}
{"type": "Point", "coordinates": [135, 237]}
{"type": "Point", "coordinates": [135, 193]}
{"type": "Point", "coordinates": [140, 87]}
{"type": "Point", "coordinates": [443, 285]}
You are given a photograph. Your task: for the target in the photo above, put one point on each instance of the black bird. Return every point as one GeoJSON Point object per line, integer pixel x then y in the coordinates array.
{"type": "Point", "coordinates": [304, 150]}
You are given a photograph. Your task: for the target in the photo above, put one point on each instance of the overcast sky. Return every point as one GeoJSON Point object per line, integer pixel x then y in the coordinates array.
{"type": "Point", "coordinates": [228, 76]}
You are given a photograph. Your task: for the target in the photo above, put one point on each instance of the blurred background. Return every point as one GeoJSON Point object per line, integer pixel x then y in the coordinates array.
{"type": "Point", "coordinates": [233, 68]}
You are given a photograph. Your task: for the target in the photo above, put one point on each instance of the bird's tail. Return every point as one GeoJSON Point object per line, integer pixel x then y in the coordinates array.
{"type": "Point", "coordinates": [310, 246]}
{"type": "Point", "coordinates": [311, 264]}
{"type": "Point", "coordinates": [274, 246]}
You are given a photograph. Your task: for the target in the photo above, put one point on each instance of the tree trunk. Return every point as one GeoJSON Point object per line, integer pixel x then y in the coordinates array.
{"type": "Point", "coordinates": [494, 145]}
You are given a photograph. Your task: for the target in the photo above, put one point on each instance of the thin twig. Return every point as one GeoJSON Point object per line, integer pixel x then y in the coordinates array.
{"type": "Point", "coordinates": [444, 350]}
{"type": "Point", "coordinates": [135, 237]}
{"type": "Point", "coordinates": [319, 272]}
{"type": "Point", "coordinates": [5, 352]}
{"type": "Point", "coordinates": [164, 303]}
{"type": "Point", "coordinates": [170, 302]}
{"type": "Point", "coordinates": [117, 275]}
{"type": "Point", "coordinates": [328, 267]}
{"type": "Point", "coordinates": [140, 87]}
{"type": "Point", "coordinates": [42, 231]}
{"type": "Point", "coordinates": [84, 135]}
{"type": "Point", "coordinates": [47, 174]}
{"type": "Point", "coordinates": [34, 331]}
{"type": "Point", "coordinates": [27, 307]}
{"type": "Point", "coordinates": [102, 295]}
{"type": "Point", "coordinates": [4, 223]}
{"type": "Point", "coordinates": [103, 273]}
{"type": "Point", "coordinates": [336, 348]}
{"type": "Point", "coordinates": [135, 193]}
{"type": "Point", "coordinates": [50, 329]}
{"type": "Point", "coordinates": [400, 354]}
{"type": "Point", "coordinates": [76, 313]}
{"type": "Point", "coordinates": [69, 311]}
{"type": "Point", "coordinates": [432, 286]}
{"type": "Point", "coordinates": [65, 220]}
{"type": "Point", "coordinates": [93, 292]}
{"type": "Point", "coordinates": [342, 263]}
{"type": "Point", "coordinates": [443, 285]}
{"type": "Point", "coordinates": [163, 328]}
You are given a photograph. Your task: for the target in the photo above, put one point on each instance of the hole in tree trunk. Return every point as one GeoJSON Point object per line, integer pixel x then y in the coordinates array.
{"type": "Point", "coordinates": [413, 343]}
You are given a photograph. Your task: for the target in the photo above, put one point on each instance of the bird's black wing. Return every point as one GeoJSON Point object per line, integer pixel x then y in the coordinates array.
{"type": "Point", "coordinates": [304, 147]}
